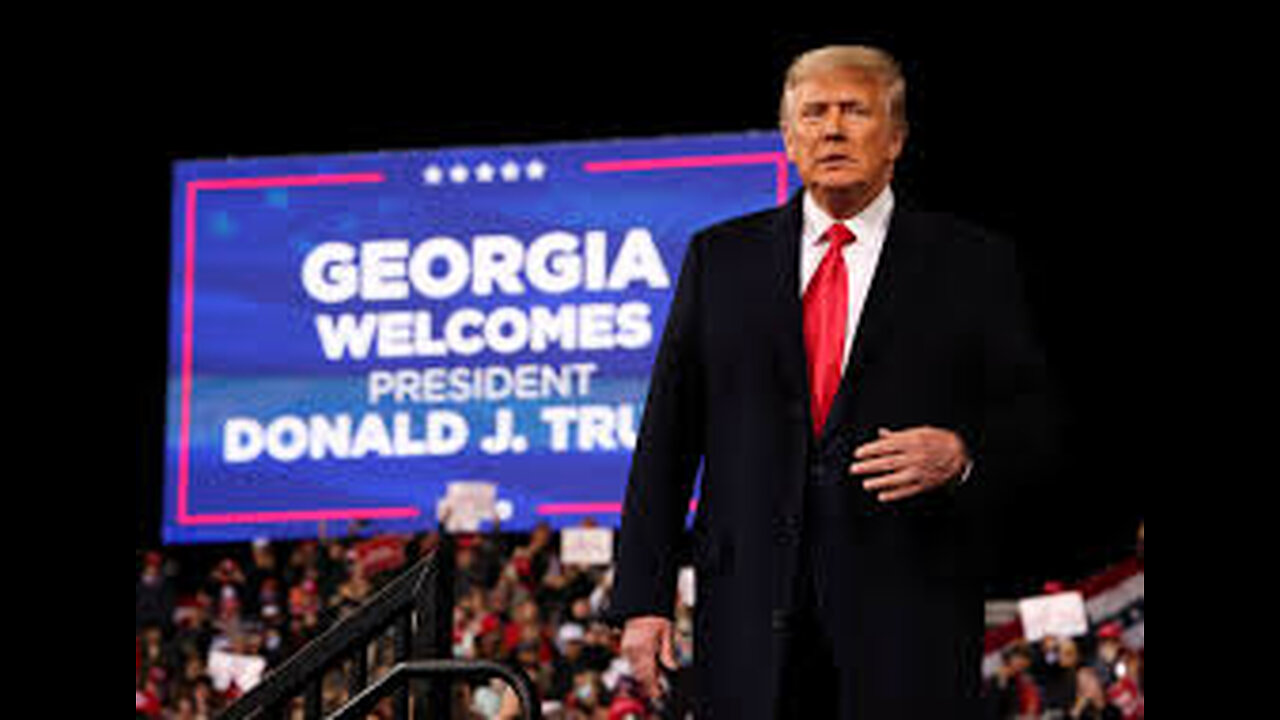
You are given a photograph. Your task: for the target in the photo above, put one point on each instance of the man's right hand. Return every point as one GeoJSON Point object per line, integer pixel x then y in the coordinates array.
{"type": "Point", "coordinates": [643, 639]}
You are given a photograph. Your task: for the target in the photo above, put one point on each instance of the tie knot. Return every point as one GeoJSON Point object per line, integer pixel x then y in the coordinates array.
{"type": "Point", "coordinates": [839, 234]}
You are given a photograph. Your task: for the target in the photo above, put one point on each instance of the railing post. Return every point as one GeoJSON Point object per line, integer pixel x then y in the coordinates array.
{"type": "Point", "coordinates": [433, 610]}
{"type": "Point", "coordinates": [403, 651]}
{"type": "Point", "coordinates": [418, 607]}
{"type": "Point", "coordinates": [359, 677]}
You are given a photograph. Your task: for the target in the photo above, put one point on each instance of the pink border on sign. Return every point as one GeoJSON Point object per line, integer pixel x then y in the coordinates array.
{"type": "Point", "coordinates": [697, 162]}
{"type": "Point", "coordinates": [185, 517]}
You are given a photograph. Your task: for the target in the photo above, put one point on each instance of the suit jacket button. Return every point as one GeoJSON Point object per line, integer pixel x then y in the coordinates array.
{"type": "Point", "coordinates": [782, 620]}
{"type": "Point", "coordinates": [786, 530]}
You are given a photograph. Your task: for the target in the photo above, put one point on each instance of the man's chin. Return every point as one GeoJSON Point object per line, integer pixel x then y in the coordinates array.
{"type": "Point", "coordinates": [841, 186]}
{"type": "Point", "coordinates": [843, 199]}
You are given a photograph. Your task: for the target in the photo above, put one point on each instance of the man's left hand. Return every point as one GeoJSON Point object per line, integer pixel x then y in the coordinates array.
{"type": "Point", "coordinates": [910, 462]}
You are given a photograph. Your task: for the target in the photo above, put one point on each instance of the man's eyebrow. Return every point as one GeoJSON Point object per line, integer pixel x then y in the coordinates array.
{"type": "Point", "coordinates": [857, 102]}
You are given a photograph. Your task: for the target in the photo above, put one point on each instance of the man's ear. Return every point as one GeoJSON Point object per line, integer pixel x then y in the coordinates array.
{"type": "Point", "coordinates": [899, 142]}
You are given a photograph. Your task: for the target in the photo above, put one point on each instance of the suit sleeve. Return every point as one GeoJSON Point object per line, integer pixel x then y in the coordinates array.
{"type": "Point", "coordinates": [669, 448]}
{"type": "Point", "coordinates": [1016, 442]}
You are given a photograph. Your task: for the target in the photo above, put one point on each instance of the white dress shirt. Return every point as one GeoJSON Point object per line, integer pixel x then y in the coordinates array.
{"type": "Point", "coordinates": [869, 227]}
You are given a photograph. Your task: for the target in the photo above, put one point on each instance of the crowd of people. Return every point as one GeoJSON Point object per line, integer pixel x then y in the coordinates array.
{"type": "Point", "coordinates": [516, 603]}
{"type": "Point", "coordinates": [1054, 680]}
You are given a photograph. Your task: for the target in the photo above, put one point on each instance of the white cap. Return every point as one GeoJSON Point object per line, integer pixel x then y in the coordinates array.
{"type": "Point", "coordinates": [569, 632]}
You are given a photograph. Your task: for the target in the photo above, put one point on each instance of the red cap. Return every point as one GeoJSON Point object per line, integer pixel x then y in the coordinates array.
{"type": "Point", "coordinates": [1111, 631]}
{"type": "Point", "coordinates": [624, 705]}
{"type": "Point", "coordinates": [1053, 587]}
{"type": "Point", "coordinates": [523, 566]}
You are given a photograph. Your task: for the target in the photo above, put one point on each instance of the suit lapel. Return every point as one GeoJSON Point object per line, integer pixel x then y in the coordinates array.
{"type": "Point", "coordinates": [875, 328]}
{"type": "Point", "coordinates": [788, 323]}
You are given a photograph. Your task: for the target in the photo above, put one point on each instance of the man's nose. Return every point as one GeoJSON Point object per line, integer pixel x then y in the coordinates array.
{"type": "Point", "coordinates": [833, 125]}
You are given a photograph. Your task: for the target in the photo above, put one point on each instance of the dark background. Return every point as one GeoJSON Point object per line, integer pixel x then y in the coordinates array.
{"type": "Point", "coordinates": [1029, 130]}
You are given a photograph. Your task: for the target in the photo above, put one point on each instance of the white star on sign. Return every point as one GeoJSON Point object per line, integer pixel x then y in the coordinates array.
{"type": "Point", "coordinates": [433, 175]}
{"type": "Point", "coordinates": [459, 174]}
{"type": "Point", "coordinates": [536, 170]}
{"type": "Point", "coordinates": [510, 171]}
{"type": "Point", "coordinates": [485, 173]}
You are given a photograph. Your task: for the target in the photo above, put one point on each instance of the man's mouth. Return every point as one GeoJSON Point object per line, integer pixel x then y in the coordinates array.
{"type": "Point", "coordinates": [835, 159]}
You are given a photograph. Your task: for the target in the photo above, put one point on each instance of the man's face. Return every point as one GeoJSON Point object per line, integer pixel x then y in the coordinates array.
{"type": "Point", "coordinates": [840, 135]}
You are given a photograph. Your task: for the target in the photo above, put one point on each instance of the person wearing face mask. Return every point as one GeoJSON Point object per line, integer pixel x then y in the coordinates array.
{"type": "Point", "coordinates": [860, 385]}
{"type": "Point", "coordinates": [568, 660]}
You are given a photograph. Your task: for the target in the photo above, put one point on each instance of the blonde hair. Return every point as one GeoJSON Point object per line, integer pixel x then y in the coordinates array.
{"type": "Point", "coordinates": [875, 61]}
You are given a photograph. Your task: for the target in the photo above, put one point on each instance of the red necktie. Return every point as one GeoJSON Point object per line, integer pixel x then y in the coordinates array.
{"type": "Point", "coordinates": [826, 312]}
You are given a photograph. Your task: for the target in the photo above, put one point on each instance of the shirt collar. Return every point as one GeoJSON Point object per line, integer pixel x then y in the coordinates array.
{"type": "Point", "coordinates": [866, 225]}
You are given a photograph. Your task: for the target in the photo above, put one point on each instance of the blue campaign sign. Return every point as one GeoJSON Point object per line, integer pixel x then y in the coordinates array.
{"type": "Point", "coordinates": [352, 334]}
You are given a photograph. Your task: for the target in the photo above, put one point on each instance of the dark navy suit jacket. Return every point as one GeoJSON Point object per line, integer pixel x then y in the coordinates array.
{"type": "Point", "coordinates": [945, 341]}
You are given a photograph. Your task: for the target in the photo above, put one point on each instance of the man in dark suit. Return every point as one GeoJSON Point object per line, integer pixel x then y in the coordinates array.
{"type": "Point", "coordinates": [859, 382]}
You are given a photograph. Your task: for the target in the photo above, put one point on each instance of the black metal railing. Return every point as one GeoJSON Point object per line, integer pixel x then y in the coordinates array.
{"type": "Point", "coordinates": [412, 620]}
